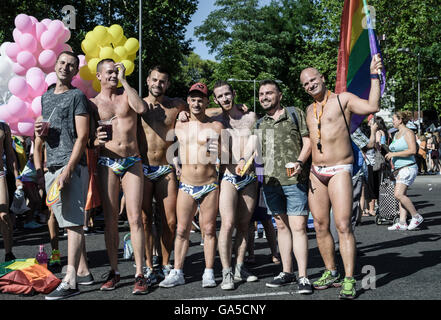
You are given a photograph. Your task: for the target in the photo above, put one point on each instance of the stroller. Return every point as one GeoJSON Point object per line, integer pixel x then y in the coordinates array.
{"type": "Point", "coordinates": [388, 205]}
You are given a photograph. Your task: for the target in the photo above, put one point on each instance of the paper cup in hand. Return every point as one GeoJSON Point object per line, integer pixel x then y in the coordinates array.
{"type": "Point", "coordinates": [289, 169]}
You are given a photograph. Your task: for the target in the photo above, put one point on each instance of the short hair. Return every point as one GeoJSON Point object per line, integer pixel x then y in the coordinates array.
{"type": "Point", "coordinates": [103, 61]}
{"type": "Point", "coordinates": [404, 116]}
{"type": "Point", "coordinates": [221, 83]}
{"type": "Point", "coordinates": [269, 81]}
{"type": "Point", "coordinates": [69, 53]}
{"type": "Point", "coordinates": [160, 69]}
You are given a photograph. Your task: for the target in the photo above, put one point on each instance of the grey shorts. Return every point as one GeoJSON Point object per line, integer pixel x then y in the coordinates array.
{"type": "Point", "coordinates": [69, 210]}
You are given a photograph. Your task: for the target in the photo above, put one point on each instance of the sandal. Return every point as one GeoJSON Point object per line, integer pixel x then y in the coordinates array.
{"type": "Point", "coordinates": [366, 213]}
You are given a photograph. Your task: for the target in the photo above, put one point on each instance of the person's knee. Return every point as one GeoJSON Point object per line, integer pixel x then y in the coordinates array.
{"type": "Point", "coordinates": [321, 226]}
{"type": "Point", "coordinates": [209, 230]}
{"type": "Point", "coordinates": [343, 227]}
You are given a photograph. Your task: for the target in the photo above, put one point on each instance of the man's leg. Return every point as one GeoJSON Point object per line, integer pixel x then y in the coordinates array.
{"type": "Point", "coordinates": [166, 193]}
{"type": "Point", "coordinates": [147, 219]}
{"type": "Point", "coordinates": [75, 245]}
{"type": "Point", "coordinates": [5, 219]}
{"type": "Point", "coordinates": [340, 194]}
{"type": "Point", "coordinates": [297, 224]}
{"type": "Point", "coordinates": [133, 184]}
{"type": "Point", "coordinates": [209, 208]}
{"type": "Point", "coordinates": [228, 198]}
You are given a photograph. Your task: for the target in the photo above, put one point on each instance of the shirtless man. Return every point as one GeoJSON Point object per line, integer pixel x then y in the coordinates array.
{"type": "Point", "coordinates": [198, 185]}
{"type": "Point", "coordinates": [160, 181]}
{"type": "Point", "coordinates": [119, 164]}
{"type": "Point", "coordinates": [12, 164]}
{"type": "Point", "coordinates": [331, 170]}
{"type": "Point", "coordinates": [237, 197]}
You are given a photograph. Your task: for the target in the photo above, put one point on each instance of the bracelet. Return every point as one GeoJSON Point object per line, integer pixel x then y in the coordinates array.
{"type": "Point", "coordinates": [242, 159]}
{"type": "Point", "coordinates": [375, 76]}
{"type": "Point", "coordinates": [300, 162]}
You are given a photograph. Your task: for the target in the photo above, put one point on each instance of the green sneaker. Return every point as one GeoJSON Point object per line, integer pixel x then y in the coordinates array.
{"type": "Point", "coordinates": [348, 290]}
{"type": "Point", "coordinates": [327, 280]}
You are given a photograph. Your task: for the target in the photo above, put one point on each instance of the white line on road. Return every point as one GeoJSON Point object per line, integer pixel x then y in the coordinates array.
{"type": "Point", "coordinates": [244, 296]}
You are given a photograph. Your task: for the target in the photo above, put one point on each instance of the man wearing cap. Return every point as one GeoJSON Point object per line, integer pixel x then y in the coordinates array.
{"type": "Point", "coordinates": [160, 181]}
{"type": "Point", "coordinates": [198, 141]}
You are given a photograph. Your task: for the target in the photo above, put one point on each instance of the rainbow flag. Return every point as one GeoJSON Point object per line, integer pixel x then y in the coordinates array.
{"type": "Point", "coordinates": [358, 43]}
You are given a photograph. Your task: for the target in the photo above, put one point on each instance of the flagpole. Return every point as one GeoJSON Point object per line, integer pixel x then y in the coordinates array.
{"type": "Point", "coordinates": [140, 50]}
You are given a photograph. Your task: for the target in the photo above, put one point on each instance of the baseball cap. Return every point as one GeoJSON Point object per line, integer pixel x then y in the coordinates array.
{"type": "Point", "coordinates": [202, 88]}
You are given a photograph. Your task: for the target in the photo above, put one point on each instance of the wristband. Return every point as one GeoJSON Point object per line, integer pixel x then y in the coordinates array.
{"type": "Point", "coordinates": [375, 76]}
{"type": "Point", "coordinates": [300, 162]}
{"type": "Point", "coordinates": [242, 159]}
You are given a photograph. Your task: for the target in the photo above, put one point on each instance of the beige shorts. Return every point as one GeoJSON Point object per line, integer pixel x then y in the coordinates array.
{"type": "Point", "coordinates": [69, 210]}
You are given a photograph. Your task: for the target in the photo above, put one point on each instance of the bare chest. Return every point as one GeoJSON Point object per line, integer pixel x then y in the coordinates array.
{"type": "Point", "coordinates": [110, 109]}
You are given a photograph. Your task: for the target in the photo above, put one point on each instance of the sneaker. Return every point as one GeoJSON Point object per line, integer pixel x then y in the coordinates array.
{"type": "Point", "coordinates": [304, 286]}
{"type": "Point", "coordinates": [9, 257]}
{"type": "Point", "coordinates": [155, 261]}
{"type": "Point", "coordinates": [227, 279]}
{"type": "Point", "coordinates": [348, 289]}
{"type": "Point", "coordinates": [415, 222]}
{"type": "Point", "coordinates": [327, 280]}
{"type": "Point", "coordinates": [111, 281]}
{"type": "Point", "coordinates": [85, 280]}
{"type": "Point", "coordinates": [166, 269]}
{"type": "Point", "coordinates": [141, 286]}
{"type": "Point", "coordinates": [283, 279]}
{"type": "Point", "coordinates": [208, 280]}
{"type": "Point", "coordinates": [242, 274]}
{"type": "Point", "coordinates": [173, 279]}
{"type": "Point", "coordinates": [63, 291]}
{"type": "Point", "coordinates": [55, 258]}
{"type": "Point", "coordinates": [150, 275]}
{"type": "Point", "coordinates": [32, 225]}
{"type": "Point", "coordinates": [398, 227]}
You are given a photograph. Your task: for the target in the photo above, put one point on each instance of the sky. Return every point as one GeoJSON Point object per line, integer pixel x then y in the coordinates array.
{"type": "Point", "coordinates": [204, 9]}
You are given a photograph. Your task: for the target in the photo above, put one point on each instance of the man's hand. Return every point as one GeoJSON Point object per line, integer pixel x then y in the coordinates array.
{"type": "Point", "coordinates": [376, 64]}
{"type": "Point", "coordinates": [38, 128]}
{"type": "Point", "coordinates": [297, 169]}
{"type": "Point", "coordinates": [184, 116]}
{"type": "Point", "coordinates": [64, 178]}
{"type": "Point", "coordinates": [18, 183]}
{"type": "Point", "coordinates": [389, 156]}
{"type": "Point", "coordinates": [101, 136]}
{"type": "Point", "coordinates": [374, 127]}
{"type": "Point", "coordinates": [121, 71]}
{"type": "Point", "coordinates": [244, 108]}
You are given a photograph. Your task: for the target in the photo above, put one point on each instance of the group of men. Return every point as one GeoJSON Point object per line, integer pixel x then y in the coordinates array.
{"type": "Point", "coordinates": [171, 150]}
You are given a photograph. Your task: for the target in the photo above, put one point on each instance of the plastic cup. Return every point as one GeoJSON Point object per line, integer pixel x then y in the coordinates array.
{"type": "Point", "coordinates": [107, 127]}
{"type": "Point", "coordinates": [45, 125]}
{"type": "Point", "coordinates": [289, 169]}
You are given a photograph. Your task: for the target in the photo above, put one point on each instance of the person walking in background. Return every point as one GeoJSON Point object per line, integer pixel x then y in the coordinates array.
{"type": "Point", "coordinates": [403, 149]}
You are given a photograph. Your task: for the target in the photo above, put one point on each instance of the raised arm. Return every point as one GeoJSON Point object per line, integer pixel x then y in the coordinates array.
{"type": "Point", "coordinates": [135, 102]}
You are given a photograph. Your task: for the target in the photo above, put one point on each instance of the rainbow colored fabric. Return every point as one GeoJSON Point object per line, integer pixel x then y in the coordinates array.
{"type": "Point", "coordinates": [358, 43]}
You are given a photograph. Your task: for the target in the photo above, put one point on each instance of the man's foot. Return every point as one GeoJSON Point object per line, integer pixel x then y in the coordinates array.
{"type": "Point", "coordinates": [348, 289]}
{"type": "Point", "coordinates": [173, 279]}
{"type": "Point", "coordinates": [150, 275]}
{"type": "Point", "coordinates": [9, 257]}
{"type": "Point", "coordinates": [415, 222]}
{"type": "Point", "coordinates": [327, 280]}
{"type": "Point", "coordinates": [32, 225]}
{"type": "Point", "coordinates": [304, 286]}
{"type": "Point", "coordinates": [141, 286]}
{"type": "Point", "coordinates": [63, 291]}
{"type": "Point", "coordinates": [283, 279]}
{"type": "Point", "coordinates": [398, 227]}
{"type": "Point", "coordinates": [55, 258]}
{"type": "Point", "coordinates": [166, 270]}
{"type": "Point", "coordinates": [275, 259]}
{"type": "Point", "coordinates": [242, 274]}
{"type": "Point", "coordinates": [208, 280]}
{"type": "Point", "coordinates": [85, 280]}
{"type": "Point", "coordinates": [111, 281]}
{"type": "Point", "coordinates": [227, 279]}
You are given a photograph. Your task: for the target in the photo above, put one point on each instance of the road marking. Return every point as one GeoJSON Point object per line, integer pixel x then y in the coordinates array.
{"type": "Point", "coordinates": [244, 296]}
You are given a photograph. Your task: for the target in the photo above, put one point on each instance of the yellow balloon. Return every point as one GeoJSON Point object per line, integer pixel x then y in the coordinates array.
{"type": "Point", "coordinates": [120, 42]}
{"type": "Point", "coordinates": [131, 45]}
{"type": "Point", "coordinates": [90, 36]}
{"type": "Point", "coordinates": [85, 73]}
{"type": "Point", "coordinates": [119, 84]}
{"type": "Point", "coordinates": [89, 48]}
{"type": "Point", "coordinates": [130, 66]}
{"type": "Point", "coordinates": [92, 65]}
{"type": "Point", "coordinates": [120, 53]}
{"type": "Point", "coordinates": [131, 57]}
{"type": "Point", "coordinates": [96, 85]}
{"type": "Point", "coordinates": [116, 32]}
{"type": "Point", "coordinates": [100, 34]}
{"type": "Point", "coordinates": [106, 53]}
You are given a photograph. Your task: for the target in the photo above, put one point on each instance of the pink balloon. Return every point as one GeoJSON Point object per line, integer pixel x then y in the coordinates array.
{"type": "Point", "coordinates": [36, 106]}
{"type": "Point", "coordinates": [28, 42]}
{"type": "Point", "coordinates": [19, 69]}
{"type": "Point", "coordinates": [16, 107]}
{"type": "Point", "coordinates": [14, 127]}
{"type": "Point", "coordinates": [66, 35]}
{"type": "Point", "coordinates": [39, 29]}
{"type": "Point", "coordinates": [51, 78]}
{"type": "Point", "coordinates": [16, 34]}
{"type": "Point", "coordinates": [48, 39]}
{"type": "Point", "coordinates": [47, 58]}
{"type": "Point", "coordinates": [37, 86]}
{"type": "Point", "coordinates": [4, 114]}
{"type": "Point", "coordinates": [12, 50]}
{"type": "Point", "coordinates": [26, 127]}
{"type": "Point", "coordinates": [83, 61]}
{"type": "Point", "coordinates": [29, 113]}
{"type": "Point", "coordinates": [35, 71]}
{"type": "Point", "coordinates": [33, 19]}
{"type": "Point", "coordinates": [67, 47]}
{"type": "Point", "coordinates": [46, 22]}
{"type": "Point", "coordinates": [59, 48]}
{"type": "Point", "coordinates": [26, 59]}
{"type": "Point", "coordinates": [18, 87]}
{"type": "Point", "coordinates": [23, 22]}
{"type": "Point", "coordinates": [57, 27]}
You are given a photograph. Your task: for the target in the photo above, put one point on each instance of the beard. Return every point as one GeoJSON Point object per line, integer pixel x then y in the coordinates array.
{"type": "Point", "coordinates": [156, 94]}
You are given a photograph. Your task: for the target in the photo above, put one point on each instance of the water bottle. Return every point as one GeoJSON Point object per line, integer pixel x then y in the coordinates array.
{"type": "Point", "coordinates": [42, 257]}
{"type": "Point", "coordinates": [383, 140]}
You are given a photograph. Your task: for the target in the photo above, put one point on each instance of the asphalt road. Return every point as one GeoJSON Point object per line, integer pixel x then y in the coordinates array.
{"type": "Point", "coordinates": [390, 265]}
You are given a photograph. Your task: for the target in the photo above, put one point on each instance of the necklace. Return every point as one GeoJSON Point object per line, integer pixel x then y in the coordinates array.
{"type": "Point", "coordinates": [319, 118]}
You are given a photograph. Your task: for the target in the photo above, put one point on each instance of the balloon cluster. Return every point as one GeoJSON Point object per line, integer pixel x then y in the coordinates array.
{"type": "Point", "coordinates": [32, 57]}
{"type": "Point", "coordinates": [107, 43]}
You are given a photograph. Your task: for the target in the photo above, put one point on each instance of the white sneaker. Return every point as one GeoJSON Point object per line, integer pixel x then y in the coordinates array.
{"type": "Point", "coordinates": [208, 280]}
{"type": "Point", "coordinates": [415, 222]}
{"type": "Point", "coordinates": [398, 227]}
{"type": "Point", "coordinates": [227, 282]}
{"type": "Point", "coordinates": [173, 279]}
{"type": "Point", "coordinates": [242, 274]}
